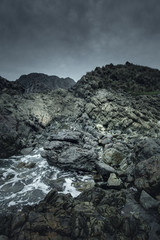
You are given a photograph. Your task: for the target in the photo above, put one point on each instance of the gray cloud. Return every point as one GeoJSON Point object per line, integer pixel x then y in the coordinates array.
{"type": "Point", "coordinates": [71, 37]}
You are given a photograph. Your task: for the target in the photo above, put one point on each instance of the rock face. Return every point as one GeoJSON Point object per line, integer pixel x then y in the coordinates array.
{"type": "Point", "coordinates": [147, 174]}
{"type": "Point", "coordinates": [95, 214]}
{"type": "Point", "coordinates": [67, 150]}
{"type": "Point", "coordinates": [11, 88]}
{"type": "Point", "coordinates": [108, 124]}
{"type": "Point", "coordinates": [129, 77]}
{"type": "Point", "coordinates": [39, 82]}
{"type": "Point", "coordinates": [22, 117]}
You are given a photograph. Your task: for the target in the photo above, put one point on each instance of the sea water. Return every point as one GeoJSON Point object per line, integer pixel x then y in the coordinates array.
{"type": "Point", "coordinates": [25, 180]}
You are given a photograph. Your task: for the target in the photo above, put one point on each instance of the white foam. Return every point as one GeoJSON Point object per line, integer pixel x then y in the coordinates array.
{"type": "Point", "coordinates": [69, 188]}
{"type": "Point", "coordinates": [12, 203]}
{"type": "Point", "coordinates": [34, 179]}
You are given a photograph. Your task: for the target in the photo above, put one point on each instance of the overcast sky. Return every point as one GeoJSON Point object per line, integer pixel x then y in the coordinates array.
{"type": "Point", "coordinates": [72, 37]}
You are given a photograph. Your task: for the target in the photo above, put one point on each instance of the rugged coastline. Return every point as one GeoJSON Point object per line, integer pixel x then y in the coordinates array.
{"type": "Point", "coordinates": [107, 125]}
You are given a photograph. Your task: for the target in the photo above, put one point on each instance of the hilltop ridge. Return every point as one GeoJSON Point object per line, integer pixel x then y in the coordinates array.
{"type": "Point", "coordinates": [129, 77]}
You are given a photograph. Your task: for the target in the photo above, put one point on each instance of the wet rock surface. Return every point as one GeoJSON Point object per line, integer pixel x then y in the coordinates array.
{"type": "Point", "coordinates": [97, 127]}
{"type": "Point", "coordinates": [95, 214]}
{"type": "Point", "coordinates": [68, 149]}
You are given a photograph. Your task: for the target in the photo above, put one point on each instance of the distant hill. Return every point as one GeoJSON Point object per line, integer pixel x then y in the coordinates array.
{"type": "Point", "coordinates": [39, 82]}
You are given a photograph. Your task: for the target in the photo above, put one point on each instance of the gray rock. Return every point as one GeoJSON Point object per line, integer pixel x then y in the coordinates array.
{"type": "Point", "coordinates": [146, 148]}
{"type": "Point", "coordinates": [18, 186]}
{"type": "Point", "coordinates": [94, 214]}
{"type": "Point", "coordinates": [72, 126]}
{"type": "Point", "coordinates": [3, 237]}
{"type": "Point", "coordinates": [147, 175]}
{"type": "Point", "coordinates": [52, 157]}
{"type": "Point", "coordinates": [113, 156]}
{"type": "Point", "coordinates": [104, 169]}
{"type": "Point", "coordinates": [68, 136]}
{"type": "Point", "coordinates": [55, 145]}
{"type": "Point", "coordinates": [77, 158]}
{"type": "Point", "coordinates": [114, 181]}
{"type": "Point", "coordinates": [147, 201]}
{"type": "Point", "coordinates": [24, 116]}
{"type": "Point", "coordinates": [57, 184]}
{"type": "Point", "coordinates": [105, 140]}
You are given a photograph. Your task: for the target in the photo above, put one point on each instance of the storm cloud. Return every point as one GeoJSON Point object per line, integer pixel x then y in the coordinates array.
{"type": "Point", "coordinates": [71, 37]}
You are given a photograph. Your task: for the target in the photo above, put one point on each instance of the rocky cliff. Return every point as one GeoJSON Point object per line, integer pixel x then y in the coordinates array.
{"type": "Point", "coordinates": [108, 125]}
{"type": "Point", "coordinates": [130, 78]}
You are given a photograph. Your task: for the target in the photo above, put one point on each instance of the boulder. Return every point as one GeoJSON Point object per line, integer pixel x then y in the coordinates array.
{"type": "Point", "coordinates": [68, 136]}
{"type": "Point", "coordinates": [78, 159]}
{"type": "Point", "coordinates": [57, 184]}
{"type": "Point", "coordinates": [104, 170]}
{"type": "Point", "coordinates": [147, 175]}
{"type": "Point", "coordinates": [26, 151]}
{"type": "Point", "coordinates": [54, 145]}
{"type": "Point", "coordinates": [94, 214]}
{"type": "Point", "coordinates": [147, 201]}
{"type": "Point", "coordinates": [114, 181]}
{"type": "Point", "coordinates": [146, 148]}
{"type": "Point", "coordinates": [113, 156]}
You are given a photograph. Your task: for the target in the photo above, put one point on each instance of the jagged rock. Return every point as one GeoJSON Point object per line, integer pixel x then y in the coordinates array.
{"type": "Point", "coordinates": [113, 156]}
{"type": "Point", "coordinates": [81, 185]}
{"type": "Point", "coordinates": [147, 201]}
{"type": "Point", "coordinates": [54, 145]}
{"type": "Point", "coordinates": [146, 148]}
{"type": "Point", "coordinates": [96, 213]}
{"type": "Point", "coordinates": [106, 140]}
{"type": "Point", "coordinates": [74, 158]}
{"type": "Point", "coordinates": [68, 136]}
{"type": "Point", "coordinates": [147, 175]}
{"type": "Point", "coordinates": [102, 119]}
{"type": "Point", "coordinates": [134, 212]}
{"type": "Point", "coordinates": [104, 170]}
{"type": "Point", "coordinates": [72, 150]}
{"type": "Point", "coordinates": [26, 116]}
{"type": "Point", "coordinates": [94, 195]}
{"type": "Point", "coordinates": [114, 182]}
{"type": "Point", "coordinates": [131, 78]}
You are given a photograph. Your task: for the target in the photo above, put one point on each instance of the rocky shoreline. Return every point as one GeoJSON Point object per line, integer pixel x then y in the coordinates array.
{"type": "Point", "coordinates": [96, 127]}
